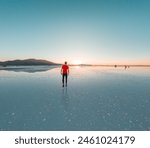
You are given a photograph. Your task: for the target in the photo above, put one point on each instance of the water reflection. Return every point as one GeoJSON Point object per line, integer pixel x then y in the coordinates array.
{"type": "Point", "coordinates": [97, 98]}
{"type": "Point", "coordinates": [65, 98]}
{"type": "Point", "coordinates": [28, 69]}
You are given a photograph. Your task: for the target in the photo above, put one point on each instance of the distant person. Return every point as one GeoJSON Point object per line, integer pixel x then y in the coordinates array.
{"type": "Point", "coordinates": [64, 72]}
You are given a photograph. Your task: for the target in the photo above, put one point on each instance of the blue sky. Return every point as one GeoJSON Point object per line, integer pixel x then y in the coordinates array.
{"type": "Point", "coordinates": [90, 31]}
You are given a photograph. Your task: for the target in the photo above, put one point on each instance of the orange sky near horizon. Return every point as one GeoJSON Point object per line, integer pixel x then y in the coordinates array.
{"type": "Point", "coordinates": [80, 60]}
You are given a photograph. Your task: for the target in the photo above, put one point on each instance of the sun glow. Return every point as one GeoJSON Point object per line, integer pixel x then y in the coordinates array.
{"type": "Point", "coordinates": [77, 62]}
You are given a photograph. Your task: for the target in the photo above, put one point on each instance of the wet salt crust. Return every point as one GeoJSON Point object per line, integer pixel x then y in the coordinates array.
{"type": "Point", "coordinates": [96, 98]}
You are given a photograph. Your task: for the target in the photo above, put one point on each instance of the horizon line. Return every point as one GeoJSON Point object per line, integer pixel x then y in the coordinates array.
{"type": "Point", "coordinates": [86, 64]}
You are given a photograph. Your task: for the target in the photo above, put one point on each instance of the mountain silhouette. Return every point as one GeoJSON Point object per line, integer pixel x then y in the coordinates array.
{"type": "Point", "coordinates": [27, 62]}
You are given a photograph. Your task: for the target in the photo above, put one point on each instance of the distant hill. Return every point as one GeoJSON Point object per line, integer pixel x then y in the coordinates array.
{"type": "Point", "coordinates": [27, 62]}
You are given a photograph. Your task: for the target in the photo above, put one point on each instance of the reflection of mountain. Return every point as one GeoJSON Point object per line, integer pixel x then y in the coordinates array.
{"type": "Point", "coordinates": [27, 62]}
{"type": "Point", "coordinates": [29, 69]}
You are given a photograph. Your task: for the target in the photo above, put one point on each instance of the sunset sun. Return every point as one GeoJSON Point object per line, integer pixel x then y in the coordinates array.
{"type": "Point", "coordinates": [77, 62]}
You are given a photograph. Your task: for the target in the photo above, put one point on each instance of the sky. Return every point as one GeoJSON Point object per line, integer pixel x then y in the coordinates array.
{"type": "Point", "coordinates": [77, 31]}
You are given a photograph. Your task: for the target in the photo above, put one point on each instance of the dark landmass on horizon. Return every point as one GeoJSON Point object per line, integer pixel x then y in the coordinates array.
{"type": "Point", "coordinates": [27, 62]}
{"type": "Point", "coordinates": [41, 62]}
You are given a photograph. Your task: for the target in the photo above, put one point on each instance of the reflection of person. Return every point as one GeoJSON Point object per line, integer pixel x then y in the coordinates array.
{"type": "Point", "coordinates": [64, 72]}
{"type": "Point", "coordinates": [65, 98]}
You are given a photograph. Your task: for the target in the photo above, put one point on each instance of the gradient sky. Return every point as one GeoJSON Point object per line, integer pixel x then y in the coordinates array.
{"type": "Point", "coordinates": [93, 31]}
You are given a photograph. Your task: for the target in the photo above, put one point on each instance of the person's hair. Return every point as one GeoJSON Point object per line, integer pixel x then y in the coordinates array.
{"type": "Point", "coordinates": [65, 62]}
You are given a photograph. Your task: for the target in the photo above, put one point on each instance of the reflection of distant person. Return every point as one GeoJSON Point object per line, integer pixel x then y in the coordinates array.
{"type": "Point", "coordinates": [64, 72]}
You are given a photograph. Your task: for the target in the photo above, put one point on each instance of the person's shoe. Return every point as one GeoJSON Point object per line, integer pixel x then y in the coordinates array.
{"type": "Point", "coordinates": [66, 84]}
{"type": "Point", "coordinates": [63, 85]}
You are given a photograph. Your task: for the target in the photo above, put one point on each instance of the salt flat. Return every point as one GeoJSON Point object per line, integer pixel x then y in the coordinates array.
{"type": "Point", "coordinates": [97, 98]}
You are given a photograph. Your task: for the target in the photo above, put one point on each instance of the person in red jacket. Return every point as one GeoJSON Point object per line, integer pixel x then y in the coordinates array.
{"type": "Point", "coordinates": [64, 72]}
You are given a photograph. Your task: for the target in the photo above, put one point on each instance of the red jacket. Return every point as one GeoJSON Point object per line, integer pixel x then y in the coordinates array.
{"type": "Point", "coordinates": [65, 69]}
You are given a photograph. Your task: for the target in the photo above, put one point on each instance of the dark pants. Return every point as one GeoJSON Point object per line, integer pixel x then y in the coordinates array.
{"type": "Point", "coordinates": [64, 78]}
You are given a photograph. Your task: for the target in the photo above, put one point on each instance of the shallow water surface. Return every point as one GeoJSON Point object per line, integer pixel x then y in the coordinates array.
{"type": "Point", "coordinates": [96, 98]}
